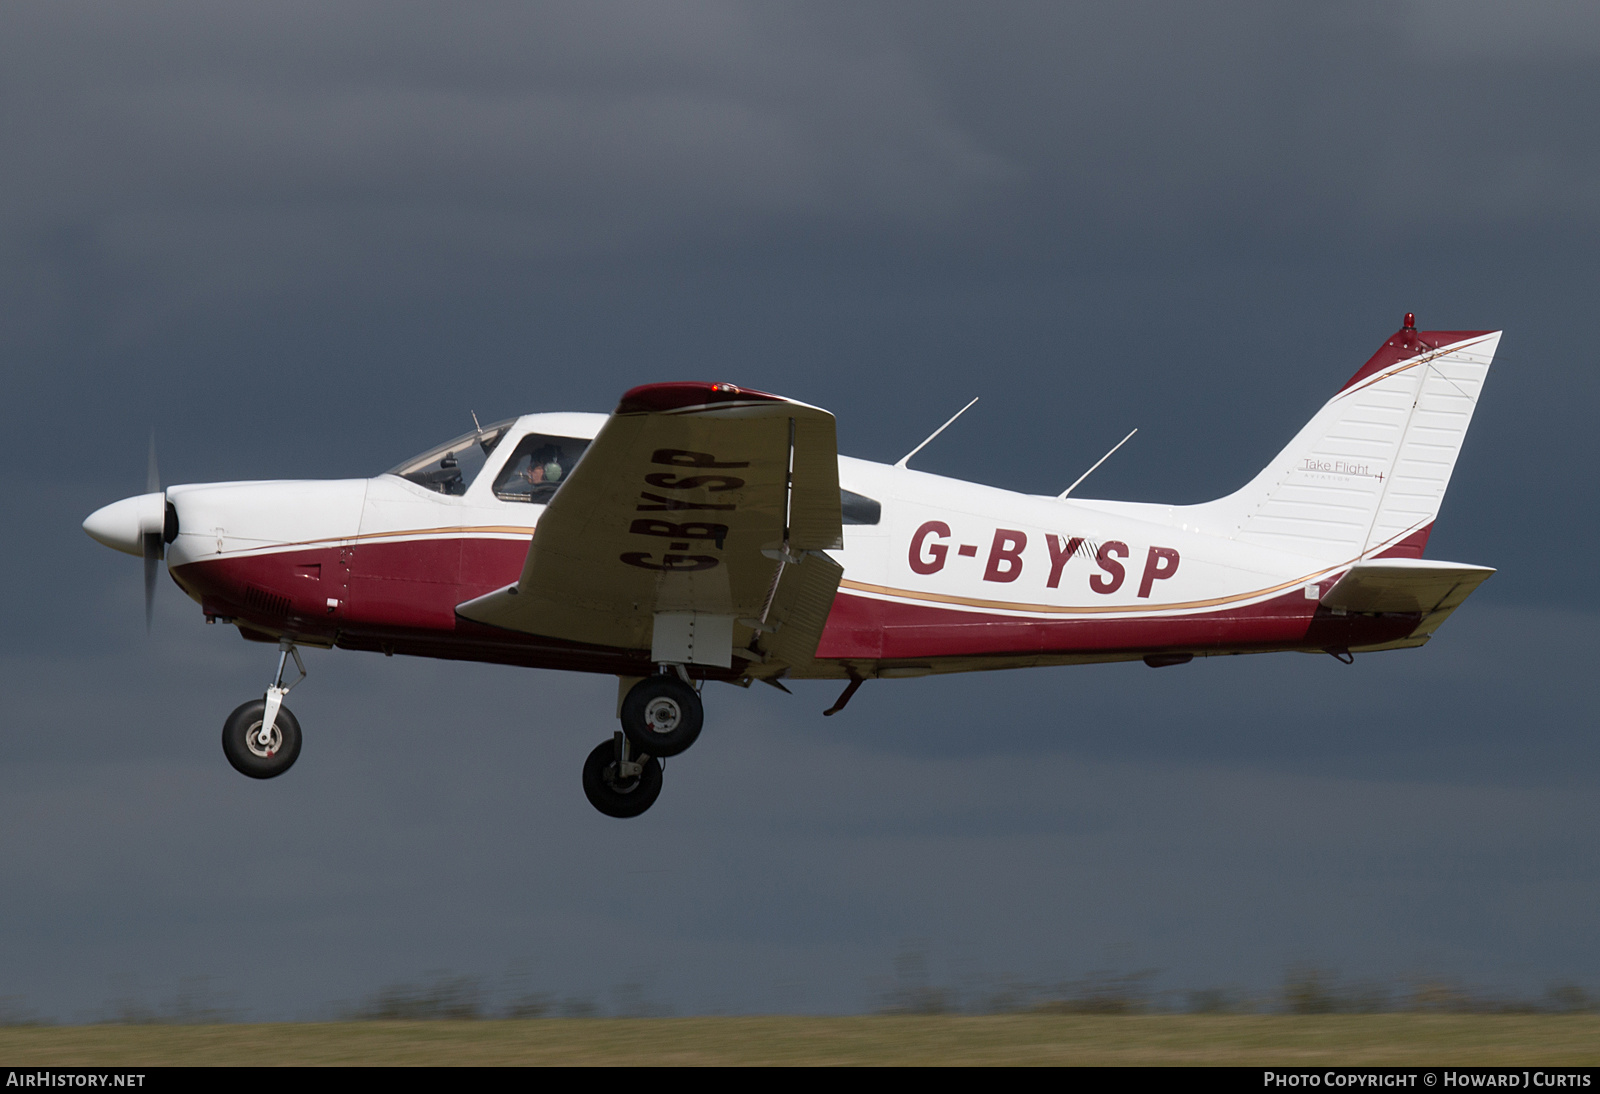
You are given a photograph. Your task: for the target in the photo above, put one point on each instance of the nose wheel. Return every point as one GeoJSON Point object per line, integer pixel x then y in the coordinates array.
{"type": "Point", "coordinates": [619, 781]}
{"type": "Point", "coordinates": [248, 753]}
{"type": "Point", "coordinates": [261, 738]}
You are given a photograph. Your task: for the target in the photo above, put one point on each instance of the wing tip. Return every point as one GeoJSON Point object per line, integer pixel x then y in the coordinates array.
{"type": "Point", "coordinates": [677, 395]}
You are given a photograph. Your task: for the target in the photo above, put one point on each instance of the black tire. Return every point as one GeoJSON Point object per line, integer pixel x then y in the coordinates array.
{"type": "Point", "coordinates": [662, 715]}
{"type": "Point", "coordinates": [619, 797]}
{"type": "Point", "coordinates": [246, 754]}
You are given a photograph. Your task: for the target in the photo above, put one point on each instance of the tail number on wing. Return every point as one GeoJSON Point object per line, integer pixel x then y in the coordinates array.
{"type": "Point", "coordinates": [675, 563]}
{"type": "Point", "coordinates": [687, 531]}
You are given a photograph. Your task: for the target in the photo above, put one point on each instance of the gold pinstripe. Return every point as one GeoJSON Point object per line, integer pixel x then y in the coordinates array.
{"type": "Point", "coordinates": [484, 529]}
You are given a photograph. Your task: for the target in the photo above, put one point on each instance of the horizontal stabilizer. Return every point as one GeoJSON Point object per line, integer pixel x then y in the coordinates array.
{"type": "Point", "coordinates": [1404, 585]}
{"type": "Point", "coordinates": [1407, 585]}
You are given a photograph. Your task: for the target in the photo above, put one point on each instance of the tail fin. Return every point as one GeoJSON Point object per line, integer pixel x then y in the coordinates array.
{"type": "Point", "coordinates": [1366, 476]}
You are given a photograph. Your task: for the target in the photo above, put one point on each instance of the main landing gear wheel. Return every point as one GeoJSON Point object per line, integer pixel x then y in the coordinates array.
{"type": "Point", "coordinates": [249, 755]}
{"type": "Point", "coordinates": [662, 715]}
{"type": "Point", "coordinates": [619, 784]}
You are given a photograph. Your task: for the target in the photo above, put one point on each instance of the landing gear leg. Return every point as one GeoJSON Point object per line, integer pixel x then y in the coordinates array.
{"type": "Point", "coordinates": [619, 781]}
{"type": "Point", "coordinates": [262, 737]}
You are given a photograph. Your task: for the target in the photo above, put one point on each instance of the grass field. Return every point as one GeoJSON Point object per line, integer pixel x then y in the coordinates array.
{"type": "Point", "coordinates": [1417, 1039]}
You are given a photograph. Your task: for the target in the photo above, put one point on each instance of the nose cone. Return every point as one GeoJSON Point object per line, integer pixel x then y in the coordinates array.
{"type": "Point", "coordinates": [123, 524]}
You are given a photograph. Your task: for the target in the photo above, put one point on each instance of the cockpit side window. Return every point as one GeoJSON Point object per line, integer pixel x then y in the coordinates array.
{"type": "Point", "coordinates": [538, 467]}
{"type": "Point", "coordinates": [451, 467]}
{"type": "Point", "coordinates": [859, 509]}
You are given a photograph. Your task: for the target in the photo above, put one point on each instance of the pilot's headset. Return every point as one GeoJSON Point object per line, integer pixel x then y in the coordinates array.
{"type": "Point", "coordinates": [549, 457]}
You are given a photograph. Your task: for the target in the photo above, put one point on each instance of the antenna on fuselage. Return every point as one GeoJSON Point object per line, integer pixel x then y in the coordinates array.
{"type": "Point", "coordinates": [902, 461]}
{"type": "Point", "coordinates": [1097, 463]}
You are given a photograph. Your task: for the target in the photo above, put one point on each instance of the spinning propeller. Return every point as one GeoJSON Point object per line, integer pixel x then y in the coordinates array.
{"type": "Point", "coordinates": [153, 543]}
{"type": "Point", "coordinates": [139, 526]}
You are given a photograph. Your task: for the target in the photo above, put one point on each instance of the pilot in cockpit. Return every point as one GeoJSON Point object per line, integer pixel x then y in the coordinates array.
{"type": "Point", "coordinates": [537, 468]}
{"type": "Point", "coordinates": [544, 466]}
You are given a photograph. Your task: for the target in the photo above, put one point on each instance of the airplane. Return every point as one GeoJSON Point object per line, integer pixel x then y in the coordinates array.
{"type": "Point", "coordinates": [710, 532]}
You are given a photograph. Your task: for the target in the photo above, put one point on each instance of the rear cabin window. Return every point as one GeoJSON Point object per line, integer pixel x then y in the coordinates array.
{"type": "Point", "coordinates": [538, 467]}
{"type": "Point", "coordinates": [859, 509]}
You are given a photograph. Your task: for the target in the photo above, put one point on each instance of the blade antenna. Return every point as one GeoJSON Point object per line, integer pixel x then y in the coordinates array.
{"type": "Point", "coordinates": [1097, 463]}
{"type": "Point", "coordinates": [935, 433]}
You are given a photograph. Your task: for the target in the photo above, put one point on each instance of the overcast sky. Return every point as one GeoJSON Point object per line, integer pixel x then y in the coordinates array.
{"type": "Point", "coordinates": [302, 240]}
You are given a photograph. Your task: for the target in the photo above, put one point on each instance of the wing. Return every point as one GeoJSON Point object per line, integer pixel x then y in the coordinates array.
{"type": "Point", "coordinates": [698, 506]}
{"type": "Point", "coordinates": [1407, 585]}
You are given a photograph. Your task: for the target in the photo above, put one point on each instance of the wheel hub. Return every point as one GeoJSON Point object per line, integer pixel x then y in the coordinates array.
{"type": "Point", "coordinates": [252, 740]}
{"type": "Point", "coordinates": [620, 783]}
{"type": "Point", "coordinates": [662, 715]}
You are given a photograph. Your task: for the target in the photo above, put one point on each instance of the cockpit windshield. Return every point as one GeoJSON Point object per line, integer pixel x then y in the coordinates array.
{"type": "Point", "coordinates": [451, 467]}
{"type": "Point", "coordinates": [538, 467]}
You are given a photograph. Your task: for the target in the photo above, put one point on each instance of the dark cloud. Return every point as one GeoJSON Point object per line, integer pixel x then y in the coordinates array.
{"type": "Point", "coordinates": [591, 126]}
{"type": "Point", "coordinates": [226, 152]}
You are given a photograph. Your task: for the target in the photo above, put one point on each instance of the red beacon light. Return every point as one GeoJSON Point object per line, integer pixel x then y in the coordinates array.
{"type": "Point", "coordinates": [1410, 323]}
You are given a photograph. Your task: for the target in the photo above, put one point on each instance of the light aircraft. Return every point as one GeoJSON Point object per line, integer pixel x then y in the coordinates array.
{"type": "Point", "coordinates": [705, 531]}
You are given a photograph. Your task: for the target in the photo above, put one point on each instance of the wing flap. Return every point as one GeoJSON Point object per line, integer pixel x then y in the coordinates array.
{"type": "Point", "coordinates": [800, 610]}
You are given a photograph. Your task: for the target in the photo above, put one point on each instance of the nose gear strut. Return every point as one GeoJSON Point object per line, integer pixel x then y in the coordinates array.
{"type": "Point", "coordinates": [276, 691]}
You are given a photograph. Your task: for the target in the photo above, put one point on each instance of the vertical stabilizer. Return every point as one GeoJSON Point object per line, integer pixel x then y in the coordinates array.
{"type": "Point", "coordinates": [1367, 474]}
